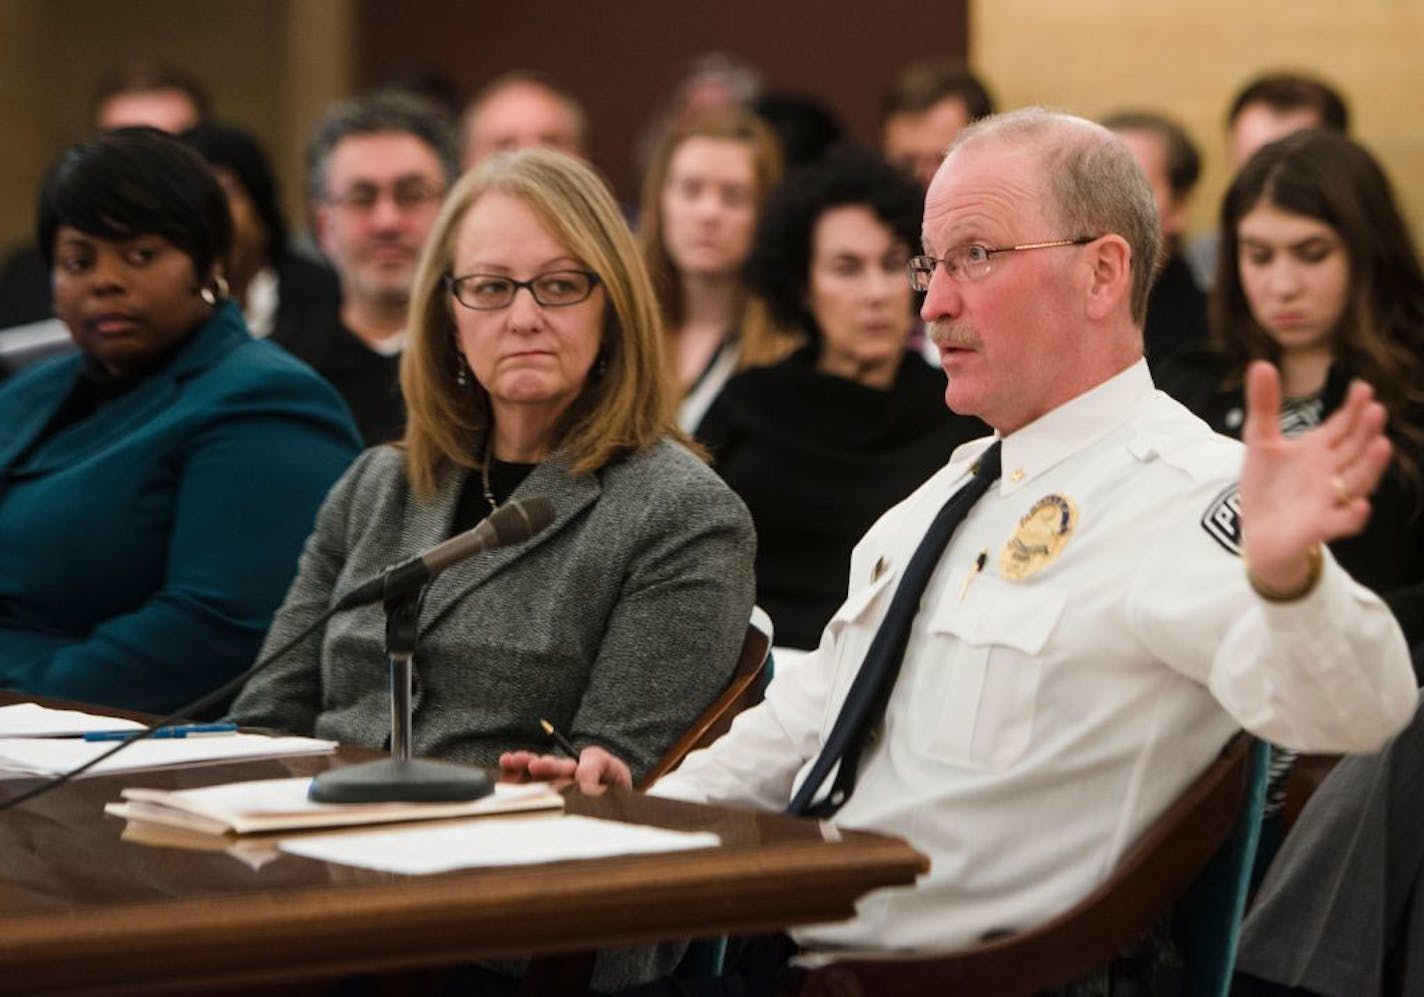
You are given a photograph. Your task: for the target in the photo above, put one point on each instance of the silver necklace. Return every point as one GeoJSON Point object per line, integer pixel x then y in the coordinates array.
{"type": "Point", "coordinates": [485, 480]}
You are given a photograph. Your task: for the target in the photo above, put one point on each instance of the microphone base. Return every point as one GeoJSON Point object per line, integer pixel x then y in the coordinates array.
{"type": "Point", "coordinates": [416, 780]}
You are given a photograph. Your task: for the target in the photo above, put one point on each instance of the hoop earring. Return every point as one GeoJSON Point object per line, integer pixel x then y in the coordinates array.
{"type": "Point", "coordinates": [216, 293]}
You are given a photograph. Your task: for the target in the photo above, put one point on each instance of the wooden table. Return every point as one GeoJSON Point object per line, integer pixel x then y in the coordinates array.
{"type": "Point", "coordinates": [84, 911]}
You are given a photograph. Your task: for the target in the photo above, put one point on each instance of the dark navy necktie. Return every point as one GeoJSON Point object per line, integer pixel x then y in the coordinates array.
{"type": "Point", "coordinates": [865, 702]}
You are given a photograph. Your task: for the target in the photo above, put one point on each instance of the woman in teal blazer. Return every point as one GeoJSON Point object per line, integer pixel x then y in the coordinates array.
{"type": "Point", "coordinates": [155, 489]}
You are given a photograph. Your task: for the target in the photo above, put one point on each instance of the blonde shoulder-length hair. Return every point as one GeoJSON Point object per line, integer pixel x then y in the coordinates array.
{"type": "Point", "coordinates": [624, 405]}
{"type": "Point", "coordinates": [761, 341]}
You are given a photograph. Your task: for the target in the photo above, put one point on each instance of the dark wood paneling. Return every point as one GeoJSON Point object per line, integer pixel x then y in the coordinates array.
{"type": "Point", "coordinates": [621, 56]}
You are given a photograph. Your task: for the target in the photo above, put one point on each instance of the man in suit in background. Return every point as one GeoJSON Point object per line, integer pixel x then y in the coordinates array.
{"type": "Point", "coordinates": [377, 170]}
{"type": "Point", "coordinates": [520, 110]}
{"type": "Point", "coordinates": [1268, 108]}
{"type": "Point", "coordinates": [926, 106]}
{"type": "Point", "coordinates": [1176, 308]}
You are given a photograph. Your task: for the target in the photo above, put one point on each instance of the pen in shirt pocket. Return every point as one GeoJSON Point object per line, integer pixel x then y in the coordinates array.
{"type": "Point", "coordinates": [973, 573]}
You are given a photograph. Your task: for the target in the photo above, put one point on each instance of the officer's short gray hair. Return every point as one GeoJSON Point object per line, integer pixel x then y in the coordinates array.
{"type": "Point", "coordinates": [1094, 182]}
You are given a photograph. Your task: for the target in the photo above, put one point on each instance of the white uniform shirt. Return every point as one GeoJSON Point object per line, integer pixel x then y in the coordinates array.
{"type": "Point", "coordinates": [1039, 725]}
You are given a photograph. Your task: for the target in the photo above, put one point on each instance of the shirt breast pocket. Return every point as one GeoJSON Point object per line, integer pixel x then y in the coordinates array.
{"type": "Point", "coordinates": [851, 630]}
{"type": "Point", "coordinates": [977, 690]}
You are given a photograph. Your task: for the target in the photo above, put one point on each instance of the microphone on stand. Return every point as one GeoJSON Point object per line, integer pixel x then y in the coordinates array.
{"type": "Point", "coordinates": [401, 589]}
{"type": "Point", "coordinates": [509, 524]}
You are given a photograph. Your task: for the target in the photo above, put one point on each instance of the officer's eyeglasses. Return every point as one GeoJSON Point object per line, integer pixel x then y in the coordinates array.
{"type": "Point", "coordinates": [972, 262]}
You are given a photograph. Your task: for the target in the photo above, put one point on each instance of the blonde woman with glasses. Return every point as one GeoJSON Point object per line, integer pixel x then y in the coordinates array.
{"type": "Point", "coordinates": [533, 368]}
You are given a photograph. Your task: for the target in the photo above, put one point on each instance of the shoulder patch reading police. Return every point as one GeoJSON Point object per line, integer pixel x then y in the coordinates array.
{"type": "Point", "coordinates": [1222, 519]}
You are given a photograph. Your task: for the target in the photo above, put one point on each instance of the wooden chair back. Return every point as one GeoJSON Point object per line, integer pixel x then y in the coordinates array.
{"type": "Point", "coordinates": [744, 690]}
{"type": "Point", "coordinates": [1149, 879]}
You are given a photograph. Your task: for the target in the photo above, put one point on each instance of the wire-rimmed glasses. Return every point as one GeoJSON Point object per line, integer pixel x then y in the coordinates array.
{"type": "Point", "coordinates": [973, 261]}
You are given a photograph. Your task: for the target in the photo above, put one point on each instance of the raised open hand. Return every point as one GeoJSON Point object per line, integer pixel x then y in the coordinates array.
{"type": "Point", "coordinates": [1309, 489]}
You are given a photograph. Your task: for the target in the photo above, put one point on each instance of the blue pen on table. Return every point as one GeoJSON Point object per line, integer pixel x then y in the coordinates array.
{"type": "Point", "coordinates": [166, 733]}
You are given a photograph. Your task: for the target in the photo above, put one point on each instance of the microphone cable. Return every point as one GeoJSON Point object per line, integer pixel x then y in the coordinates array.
{"type": "Point", "coordinates": [512, 523]}
{"type": "Point", "coordinates": [182, 713]}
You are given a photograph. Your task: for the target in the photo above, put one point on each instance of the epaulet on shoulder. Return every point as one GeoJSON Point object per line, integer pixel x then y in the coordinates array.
{"type": "Point", "coordinates": [1182, 441]}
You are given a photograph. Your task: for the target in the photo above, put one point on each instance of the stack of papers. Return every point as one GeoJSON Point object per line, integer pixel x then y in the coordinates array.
{"type": "Point", "coordinates": [267, 805]}
{"type": "Point", "coordinates": [434, 848]}
{"type": "Point", "coordinates": [33, 720]}
{"type": "Point", "coordinates": [54, 755]}
{"type": "Point", "coordinates": [253, 852]}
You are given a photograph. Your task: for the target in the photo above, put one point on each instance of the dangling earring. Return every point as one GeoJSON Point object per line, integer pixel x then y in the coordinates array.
{"type": "Point", "coordinates": [462, 372]}
{"type": "Point", "coordinates": [216, 293]}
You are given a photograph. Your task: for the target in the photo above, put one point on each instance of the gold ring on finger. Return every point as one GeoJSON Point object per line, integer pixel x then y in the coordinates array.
{"type": "Point", "coordinates": [1343, 496]}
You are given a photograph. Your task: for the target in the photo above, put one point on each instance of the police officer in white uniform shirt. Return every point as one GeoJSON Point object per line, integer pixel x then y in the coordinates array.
{"type": "Point", "coordinates": [1131, 591]}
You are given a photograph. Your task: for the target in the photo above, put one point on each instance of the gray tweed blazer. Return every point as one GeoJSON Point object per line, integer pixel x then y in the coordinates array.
{"type": "Point", "coordinates": [620, 623]}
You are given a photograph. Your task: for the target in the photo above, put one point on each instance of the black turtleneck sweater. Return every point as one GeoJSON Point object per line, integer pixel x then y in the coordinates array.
{"type": "Point", "coordinates": [817, 459]}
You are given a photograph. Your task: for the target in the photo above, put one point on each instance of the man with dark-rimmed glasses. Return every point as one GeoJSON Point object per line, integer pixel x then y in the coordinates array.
{"type": "Point", "coordinates": [378, 167]}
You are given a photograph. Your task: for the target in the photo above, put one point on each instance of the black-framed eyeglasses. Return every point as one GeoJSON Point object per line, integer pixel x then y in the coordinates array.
{"type": "Point", "coordinates": [408, 195]}
{"type": "Point", "coordinates": [486, 292]}
{"type": "Point", "coordinates": [973, 261]}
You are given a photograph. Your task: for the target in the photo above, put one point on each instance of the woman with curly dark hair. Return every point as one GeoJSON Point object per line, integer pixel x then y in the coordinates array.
{"type": "Point", "coordinates": [822, 443]}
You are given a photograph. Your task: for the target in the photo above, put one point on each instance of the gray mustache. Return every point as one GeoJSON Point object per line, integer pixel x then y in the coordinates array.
{"type": "Point", "coordinates": [942, 334]}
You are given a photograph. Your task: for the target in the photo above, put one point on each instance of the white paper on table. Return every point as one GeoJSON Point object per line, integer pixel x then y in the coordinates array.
{"type": "Point", "coordinates": [34, 720]}
{"type": "Point", "coordinates": [265, 805]}
{"type": "Point", "coordinates": [51, 756]}
{"type": "Point", "coordinates": [494, 841]}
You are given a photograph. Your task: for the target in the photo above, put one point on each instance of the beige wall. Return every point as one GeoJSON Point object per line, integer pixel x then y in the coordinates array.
{"type": "Point", "coordinates": [1187, 59]}
{"type": "Point", "coordinates": [271, 65]}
